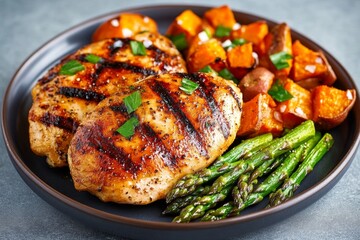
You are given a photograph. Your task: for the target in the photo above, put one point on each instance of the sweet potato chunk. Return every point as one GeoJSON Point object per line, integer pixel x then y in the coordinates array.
{"type": "Point", "coordinates": [241, 56]}
{"type": "Point", "coordinates": [259, 116]}
{"type": "Point", "coordinates": [306, 63]}
{"type": "Point", "coordinates": [123, 26]}
{"type": "Point", "coordinates": [187, 23]}
{"type": "Point", "coordinates": [198, 39]}
{"type": "Point", "coordinates": [220, 16]}
{"type": "Point", "coordinates": [257, 81]}
{"type": "Point", "coordinates": [297, 109]}
{"type": "Point", "coordinates": [331, 105]}
{"type": "Point", "coordinates": [254, 32]}
{"type": "Point", "coordinates": [205, 54]}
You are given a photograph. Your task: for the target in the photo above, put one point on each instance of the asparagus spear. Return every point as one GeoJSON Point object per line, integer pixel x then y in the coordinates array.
{"type": "Point", "coordinates": [223, 211]}
{"type": "Point", "coordinates": [277, 147]}
{"type": "Point", "coordinates": [245, 186]}
{"type": "Point", "coordinates": [189, 183]}
{"type": "Point", "coordinates": [219, 213]}
{"type": "Point", "coordinates": [198, 208]}
{"type": "Point", "coordinates": [289, 160]}
{"type": "Point", "coordinates": [275, 179]}
{"type": "Point", "coordinates": [290, 185]}
{"type": "Point", "coordinates": [175, 206]}
{"type": "Point", "coordinates": [291, 140]}
{"type": "Point", "coordinates": [270, 184]}
{"type": "Point", "coordinates": [266, 168]}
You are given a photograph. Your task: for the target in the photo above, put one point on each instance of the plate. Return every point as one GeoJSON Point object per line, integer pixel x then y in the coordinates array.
{"type": "Point", "coordinates": [55, 185]}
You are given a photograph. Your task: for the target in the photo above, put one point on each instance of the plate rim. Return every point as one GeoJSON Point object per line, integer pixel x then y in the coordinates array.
{"type": "Point", "coordinates": [339, 169]}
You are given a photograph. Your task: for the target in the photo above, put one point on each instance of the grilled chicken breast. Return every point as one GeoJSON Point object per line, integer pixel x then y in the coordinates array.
{"type": "Point", "coordinates": [61, 102]}
{"type": "Point", "coordinates": [177, 134]}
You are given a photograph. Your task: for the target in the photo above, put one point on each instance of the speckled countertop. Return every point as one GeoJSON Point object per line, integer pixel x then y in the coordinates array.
{"type": "Point", "coordinates": [26, 25]}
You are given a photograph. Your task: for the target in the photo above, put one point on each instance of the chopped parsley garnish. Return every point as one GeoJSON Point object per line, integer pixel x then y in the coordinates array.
{"type": "Point", "coordinates": [280, 60]}
{"type": "Point", "coordinates": [71, 67]}
{"type": "Point", "coordinates": [179, 41]}
{"type": "Point", "coordinates": [137, 48]}
{"type": "Point", "coordinates": [279, 93]}
{"type": "Point", "coordinates": [128, 128]}
{"type": "Point", "coordinates": [208, 69]}
{"type": "Point", "coordinates": [225, 73]}
{"type": "Point", "coordinates": [133, 101]}
{"type": "Point", "coordinates": [188, 86]}
{"type": "Point", "coordinates": [92, 58]}
{"type": "Point", "coordinates": [222, 31]}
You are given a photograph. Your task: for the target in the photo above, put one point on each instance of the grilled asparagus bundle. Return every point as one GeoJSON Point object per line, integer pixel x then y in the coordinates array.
{"type": "Point", "coordinates": [234, 179]}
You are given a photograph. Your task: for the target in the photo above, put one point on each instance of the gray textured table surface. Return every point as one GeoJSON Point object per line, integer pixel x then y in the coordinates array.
{"type": "Point", "coordinates": [26, 25]}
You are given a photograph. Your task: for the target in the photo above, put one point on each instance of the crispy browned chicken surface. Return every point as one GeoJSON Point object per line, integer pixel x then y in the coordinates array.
{"type": "Point", "coordinates": [177, 134]}
{"type": "Point", "coordinates": [61, 102]}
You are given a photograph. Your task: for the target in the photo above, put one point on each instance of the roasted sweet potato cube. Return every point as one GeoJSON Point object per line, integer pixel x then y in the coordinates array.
{"type": "Point", "coordinates": [297, 109]}
{"type": "Point", "coordinates": [254, 32]}
{"type": "Point", "coordinates": [198, 39]}
{"type": "Point", "coordinates": [205, 54]}
{"type": "Point", "coordinates": [123, 26]}
{"type": "Point", "coordinates": [241, 56]}
{"type": "Point", "coordinates": [306, 63]}
{"type": "Point", "coordinates": [259, 116]}
{"type": "Point", "coordinates": [299, 49]}
{"type": "Point", "coordinates": [220, 16]}
{"type": "Point", "coordinates": [276, 41]}
{"type": "Point", "coordinates": [187, 23]}
{"type": "Point", "coordinates": [331, 105]}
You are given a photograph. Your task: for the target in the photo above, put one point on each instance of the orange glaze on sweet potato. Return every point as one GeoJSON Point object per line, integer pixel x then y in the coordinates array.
{"type": "Point", "coordinates": [331, 106]}
{"type": "Point", "coordinates": [259, 116]}
{"type": "Point", "coordinates": [123, 26]}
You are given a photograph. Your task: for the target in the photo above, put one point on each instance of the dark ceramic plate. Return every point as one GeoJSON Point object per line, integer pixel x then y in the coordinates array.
{"type": "Point", "coordinates": [55, 186]}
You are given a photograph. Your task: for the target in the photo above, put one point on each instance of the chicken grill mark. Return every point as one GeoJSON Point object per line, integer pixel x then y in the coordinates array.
{"type": "Point", "coordinates": [95, 138]}
{"type": "Point", "coordinates": [81, 93]}
{"type": "Point", "coordinates": [167, 155]}
{"type": "Point", "coordinates": [160, 88]}
{"type": "Point", "coordinates": [207, 89]}
{"type": "Point", "coordinates": [65, 123]}
{"type": "Point", "coordinates": [106, 146]}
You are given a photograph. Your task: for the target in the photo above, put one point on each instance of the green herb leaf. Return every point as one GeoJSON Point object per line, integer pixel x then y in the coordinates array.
{"type": "Point", "coordinates": [188, 86]}
{"type": "Point", "coordinates": [71, 68]}
{"type": "Point", "coordinates": [128, 128]}
{"type": "Point", "coordinates": [208, 32]}
{"type": "Point", "coordinates": [133, 101]}
{"type": "Point", "coordinates": [222, 31]}
{"type": "Point", "coordinates": [235, 42]}
{"type": "Point", "coordinates": [92, 58]}
{"type": "Point", "coordinates": [137, 48]}
{"type": "Point", "coordinates": [225, 73]}
{"type": "Point", "coordinates": [280, 60]}
{"type": "Point", "coordinates": [279, 93]}
{"type": "Point", "coordinates": [239, 41]}
{"type": "Point", "coordinates": [208, 69]}
{"type": "Point", "coordinates": [179, 41]}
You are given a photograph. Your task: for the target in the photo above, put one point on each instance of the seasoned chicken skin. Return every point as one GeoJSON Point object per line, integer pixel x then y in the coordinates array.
{"type": "Point", "coordinates": [61, 102]}
{"type": "Point", "coordinates": [177, 134]}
